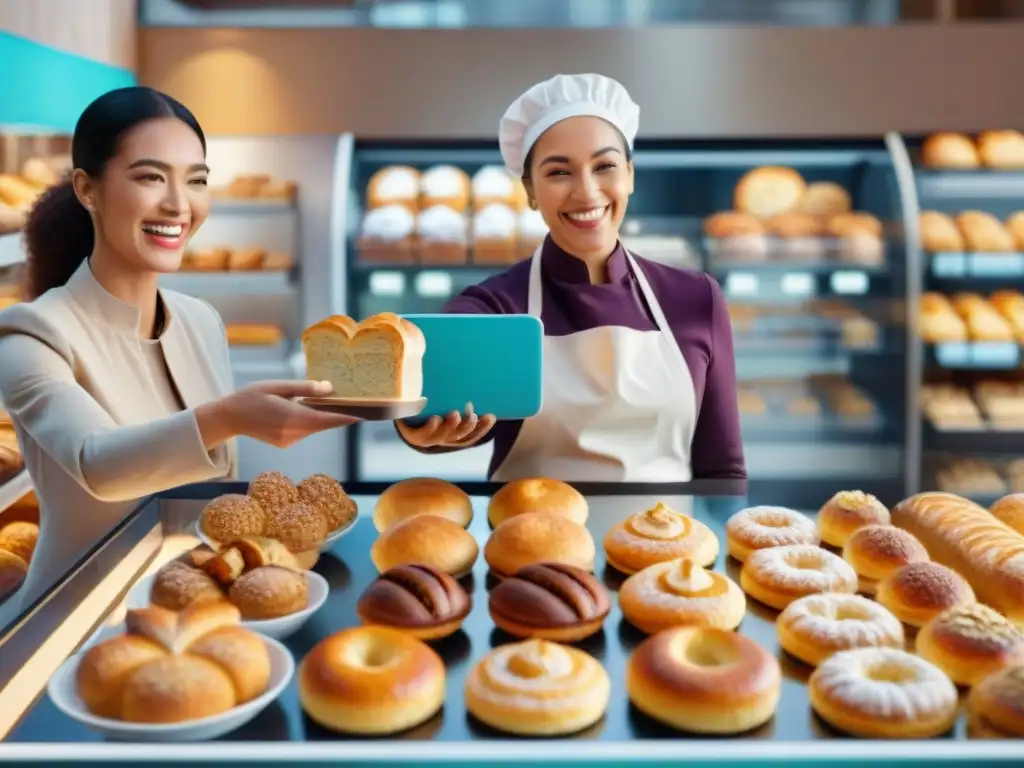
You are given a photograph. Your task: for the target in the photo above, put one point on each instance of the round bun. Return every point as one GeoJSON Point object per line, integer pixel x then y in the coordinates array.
{"type": "Point", "coordinates": [537, 494]}
{"type": "Point", "coordinates": [422, 496]}
{"type": "Point", "coordinates": [177, 586]}
{"type": "Point", "coordinates": [371, 681]}
{"type": "Point", "coordinates": [274, 491]}
{"type": "Point", "coordinates": [394, 185]}
{"type": "Point", "coordinates": [681, 593]}
{"type": "Point", "coordinates": [1009, 509]}
{"type": "Point", "coordinates": [883, 693]}
{"type": "Point", "coordinates": [779, 575]}
{"type": "Point", "coordinates": [970, 642]}
{"type": "Point", "coordinates": [13, 571]}
{"type": "Point", "coordinates": [763, 527]}
{"type": "Point", "coordinates": [949, 150]}
{"type": "Point", "coordinates": [232, 516]}
{"type": "Point", "coordinates": [538, 538]}
{"type": "Point", "coordinates": [769, 191]}
{"type": "Point", "coordinates": [19, 538]}
{"type": "Point", "coordinates": [824, 199]}
{"type": "Point", "coordinates": [704, 680]}
{"type": "Point", "coordinates": [919, 592]}
{"type": "Point", "coordinates": [326, 495]}
{"type": "Point", "coordinates": [875, 551]}
{"type": "Point", "coordinates": [426, 540]}
{"type": "Point", "coordinates": [658, 535]}
{"type": "Point", "coordinates": [996, 704]}
{"type": "Point", "coordinates": [537, 688]}
{"type": "Point", "coordinates": [550, 601]}
{"type": "Point", "coordinates": [298, 526]}
{"type": "Point", "coordinates": [815, 627]}
{"type": "Point", "coordinates": [419, 600]}
{"type": "Point", "coordinates": [847, 512]}
{"type": "Point", "coordinates": [269, 592]}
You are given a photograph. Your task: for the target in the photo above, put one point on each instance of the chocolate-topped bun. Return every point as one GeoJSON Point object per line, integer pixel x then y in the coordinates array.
{"type": "Point", "coordinates": [550, 601]}
{"type": "Point", "coordinates": [273, 491]}
{"type": "Point", "coordinates": [420, 600]}
{"type": "Point", "coordinates": [326, 495]}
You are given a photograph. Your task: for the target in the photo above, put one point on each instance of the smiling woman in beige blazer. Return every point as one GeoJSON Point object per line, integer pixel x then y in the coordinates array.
{"type": "Point", "coordinates": [117, 389]}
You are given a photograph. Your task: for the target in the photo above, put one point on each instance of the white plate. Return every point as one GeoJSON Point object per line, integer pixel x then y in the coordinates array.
{"type": "Point", "coordinates": [332, 537]}
{"type": "Point", "coordinates": [62, 692]}
{"type": "Point", "coordinates": [275, 628]}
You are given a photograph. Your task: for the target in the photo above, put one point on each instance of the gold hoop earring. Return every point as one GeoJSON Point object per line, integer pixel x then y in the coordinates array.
{"type": "Point", "coordinates": [533, 204]}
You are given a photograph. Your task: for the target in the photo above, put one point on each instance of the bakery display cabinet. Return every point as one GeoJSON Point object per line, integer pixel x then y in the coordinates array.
{"type": "Point", "coordinates": [804, 237]}
{"type": "Point", "coordinates": [966, 261]}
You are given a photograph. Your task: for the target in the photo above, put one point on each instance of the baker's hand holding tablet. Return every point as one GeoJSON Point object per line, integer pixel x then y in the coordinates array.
{"type": "Point", "coordinates": [454, 430]}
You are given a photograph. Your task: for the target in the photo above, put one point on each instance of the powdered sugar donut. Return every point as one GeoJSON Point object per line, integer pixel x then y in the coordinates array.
{"type": "Point", "coordinates": [757, 528]}
{"type": "Point", "coordinates": [817, 626]}
{"type": "Point", "coordinates": [779, 575]}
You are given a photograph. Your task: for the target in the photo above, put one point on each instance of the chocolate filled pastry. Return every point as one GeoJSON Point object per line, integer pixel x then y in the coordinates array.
{"type": "Point", "coordinates": [846, 512]}
{"type": "Point", "coordinates": [326, 495]}
{"type": "Point", "coordinates": [537, 494]}
{"type": "Point", "coordinates": [550, 601]}
{"type": "Point", "coordinates": [538, 538]}
{"type": "Point", "coordinates": [918, 592]}
{"type": "Point", "coordinates": [538, 688]}
{"type": "Point", "coordinates": [995, 705]}
{"type": "Point", "coordinates": [681, 593]}
{"type": "Point", "coordinates": [273, 491]}
{"type": "Point", "coordinates": [270, 592]}
{"type": "Point", "coordinates": [704, 680]}
{"type": "Point", "coordinates": [422, 496]}
{"type": "Point", "coordinates": [763, 527]}
{"type": "Point", "coordinates": [817, 626]}
{"type": "Point", "coordinates": [780, 575]}
{"type": "Point", "coordinates": [420, 600]}
{"type": "Point", "coordinates": [177, 586]}
{"type": "Point", "coordinates": [232, 516]}
{"type": "Point", "coordinates": [876, 551]}
{"type": "Point", "coordinates": [426, 540]}
{"type": "Point", "coordinates": [658, 535]}
{"type": "Point", "coordinates": [970, 642]}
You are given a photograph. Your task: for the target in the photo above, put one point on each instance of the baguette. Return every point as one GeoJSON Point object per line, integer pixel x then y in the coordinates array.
{"type": "Point", "coordinates": [969, 539]}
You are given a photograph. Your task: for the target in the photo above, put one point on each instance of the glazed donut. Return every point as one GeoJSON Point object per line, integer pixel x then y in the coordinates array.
{"type": "Point", "coordinates": [996, 704]}
{"type": "Point", "coordinates": [883, 693]}
{"type": "Point", "coordinates": [779, 575]}
{"type": "Point", "coordinates": [875, 551]}
{"type": "Point", "coordinates": [918, 592]}
{"type": "Point", "coordinates": [371, 681]}
{"type": "Point", "coordinates": [704, 680]}
{"type": "Point", "coordinates": [757, 528]}
{"type": "Point", "coordinates": [656, 536]}
{"type": "Point", "coordinates": [970, 642]}
{"type": "Point", "coordinates": [537, 688]}
{"type": "Point", "coordinates": [847, 512]}
{"type": "Point", "coordinates": [816, 626]}
{"type": "Point", "coordinates": [681, 593]}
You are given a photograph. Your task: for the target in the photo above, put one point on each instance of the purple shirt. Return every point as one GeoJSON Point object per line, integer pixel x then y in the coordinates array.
{"type": "Point", "coordinates": [692, 303]}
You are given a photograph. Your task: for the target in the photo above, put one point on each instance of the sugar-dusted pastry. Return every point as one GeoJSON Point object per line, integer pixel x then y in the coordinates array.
{"type": "Point", "coordinates": [495, 184]}
{"type": "Point", "coordinates": [738, 235]}
{"type": "Point", "coordinates": [780, 575]}
{"type": "Point", "coordinates": [273, 491]}
{"type": "Point", "coordinates": [949, 150]}
{"type": "Point", "coordinates": [270, 592]}
{"type": "Point", "coordinates": [394, 185]}
{"type": "Point", "coordinates": [1002, 150]}
{"type": "Point", "coordinates": [860, 237]}
{"type": "Point", "coordinates": [495, 231]}
{"type": "Point", "coordinates": [847, 511]}
{"type": "Point", "coordinates": [443, 235]}
{"type": "Point", "coordinates": [550, 601]}
{"type": "Point", "coordinates": [681, 593]}
{"type": "Point", "coordinates": [420, 600]}
{"type": "Point", "coordinates": [326, 495]}
{"type": "Point", "coordinates": [657, 535]}
{"type": "Point", "coordinates": [939, 233]}
{"type": "Point", "coordinates": [539, 537]}
{"type": "Point", "coordinates": [994, 705]}
{"type": "Point", "coordinates": [537, 688]}
{"type": "Point", "coordinates": [532, 231]}
{"type": "Point", "coordinates": [232, 516]}
{"type": "Point", "coordinates": [817, 626]}
{"type": "Point", "coordinates": [800, 235]}
{"type": "Point", "coordinates": [769, 191]}
{"type": "Point", "coordinates": [387, 236]}
{"type": "Point", "coordinates": [984, 232]}
{"type": "Point", "coordinates": [704, 680]}
{"type": "Point", "coordinates": [537, 494]}
{"type": "Point", "coordinates": [426, 540]}
{"type": "Point", "coordinates": [761, 527]}
{"type": "Point", "coordinates": [379, 358]}
{"type": "Point", "coordinates": [298, 526]}
{"type": "Point", "coordinates": [446, 186]}
{"type": "Point", "coordinates": [876, 551]}
{"type": "Point", "coordinates": [970, 642]}
{"type": "Point", "coordinates": [918, 592]}
{"type": "Point", "coordinates": [883, 693]}
{"type": "Point", "coordinates": [422, 496]}
{"type": "Point", "coordinates": [824, 199]}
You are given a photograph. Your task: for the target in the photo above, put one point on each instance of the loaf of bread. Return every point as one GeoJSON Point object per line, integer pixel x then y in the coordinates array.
{"type": "Point", "coordinates": [1001, 149]}
{"type": "Point", "coordinates": [949, 150]}
{"type": "Point", "coordinates": [938, 321]}
{"type": "Point", "coordinates": [969, 539]}
{"type": "Point", "coordinates": [939, 232]}
{"type": "Point", "coordinates": [984, 232]}
{"type": "Point", "coordinates": [380, 358]}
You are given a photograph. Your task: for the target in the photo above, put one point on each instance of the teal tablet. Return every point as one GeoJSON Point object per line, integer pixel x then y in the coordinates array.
{"type": "Point", "coordinates": [491, 361]}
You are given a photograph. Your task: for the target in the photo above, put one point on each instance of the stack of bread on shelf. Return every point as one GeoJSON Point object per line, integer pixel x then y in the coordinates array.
{"type": "Point", "coordinates": [988, 404]}
{"type": "Point", "coordinates": [803, 322]}
{"type": "Point", "coordinates": [229, 259]}
{"type": "Point", "coordinates": [256, 186]}
{"type": "Point", "coordinates": [994, 150]}
{"type": "Point", "coordinates": [778, 214]}
{"type": "Point", "coordinates": [444, 216]}
{"type": "Point", "coordinates": [971, 231]}
{"type": "Point", "coordinates": [971, 317]}
{"type": "Point", "coordinates": [19, 192]}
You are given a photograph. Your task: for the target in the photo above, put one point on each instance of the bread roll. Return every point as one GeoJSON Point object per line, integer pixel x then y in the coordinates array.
{"type": "Point", "coordinates": [387, 235]}
{"type": "Point", "coordinates": [232, 516]}
{"type": "Point", "coordinates": [177, 586]}
{"type": "Point", "coordinates": [273, 491]}
{"type": "Point", "coordinates": [539, 537]}
{"type": "Point", "coordinates": [939, 232]}
{"type": "Point", "coordinates": [984, 232]}
{"type": "Point", "coordinates": [12, 573]}
{"type": "Point", "coordinates": [422, 496]}
{"type": "Point", "coordinates": [395, 185]}
{"type": "Point", "coordinates": [328, 497]}
{"type": "Point", "coordinates": [445, 186]}
{"type": "Point", "coordinates": [1015, 226]}
{"type": "Point", "coordinates": [379, 358]}
{"type": "Point", "coordinates": [426, 540]}
{"type": "Point", "coordinates": [824, 199]}
{"type": "Point", "coordinates": [737, 234]}
{"type": "Point", "coordinates": [443, 234]}
{"type": "Point", "coordinates": [495, 231]}
{"type": "Point", "coordinates": [768, 191]}
{"type": "Point", "coordinates": [19, 538]}
{"type": "Point", "coordinates": [938, 322]}
{"type": "Point", "coordinates": [537, 494]}
{"type": "Point", "coordinates": [949, 150]}
{"type": "Point", "coordinates": [1001, 149]}
{"type": "Point", "coordinates": [270, 593]}
{"type": "Point", "coordinates": [967, 538]}
{"type": "Point", "coordinates": [495, 184]}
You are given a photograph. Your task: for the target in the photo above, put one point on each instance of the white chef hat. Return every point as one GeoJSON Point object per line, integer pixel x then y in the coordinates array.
{"type": "Point", "coordinates": [562, 97]}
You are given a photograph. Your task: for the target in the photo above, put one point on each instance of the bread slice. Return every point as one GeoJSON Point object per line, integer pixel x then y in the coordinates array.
{"type": "Point", "coordinates": [380, 358]}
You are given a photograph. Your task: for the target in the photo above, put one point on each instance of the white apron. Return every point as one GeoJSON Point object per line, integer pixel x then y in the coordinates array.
{"type": "Point", "coordinates": [618, 404]}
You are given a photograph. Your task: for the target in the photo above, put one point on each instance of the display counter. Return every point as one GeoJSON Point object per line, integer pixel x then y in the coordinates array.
{"type": "Point", "coordinates": [91, 602]}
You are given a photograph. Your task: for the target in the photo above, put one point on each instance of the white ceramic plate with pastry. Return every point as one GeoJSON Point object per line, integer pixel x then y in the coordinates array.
{"type": "Point", "coordinates": [64, 695]}
{"type": "Point", "coordinates": [332, 537]}
{"type": "Point", "coordinates": [367, 410]}
{"type": "Point", "coordinates": [278, 629]}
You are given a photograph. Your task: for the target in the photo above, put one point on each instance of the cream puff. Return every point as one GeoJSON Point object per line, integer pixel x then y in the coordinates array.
{"type": "Point", "coordinates": [394, 185]}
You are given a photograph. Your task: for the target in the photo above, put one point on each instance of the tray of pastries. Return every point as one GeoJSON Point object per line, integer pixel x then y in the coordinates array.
{"type": "Point", "coordinates": [998, 150]}
{"type": "Point", "coordinates": [971, 317]}
{"type": "Point", "coordinates": [543, 613]}
{"type": "Point", "coordinates": [971, 232]}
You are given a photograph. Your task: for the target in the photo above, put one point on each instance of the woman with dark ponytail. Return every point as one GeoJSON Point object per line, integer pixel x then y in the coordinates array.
{"type": "Point", "coordinates": [119, 389]}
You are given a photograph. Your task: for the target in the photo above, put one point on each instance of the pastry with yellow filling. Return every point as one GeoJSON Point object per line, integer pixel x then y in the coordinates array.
{"type": "Point", "coordinates": [681, 593]}
{"type": "Point", "coordinates": [658, 535]}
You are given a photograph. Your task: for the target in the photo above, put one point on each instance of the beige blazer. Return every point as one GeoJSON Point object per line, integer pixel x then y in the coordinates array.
{"type": "Point", "coordinates": [95, 438]}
